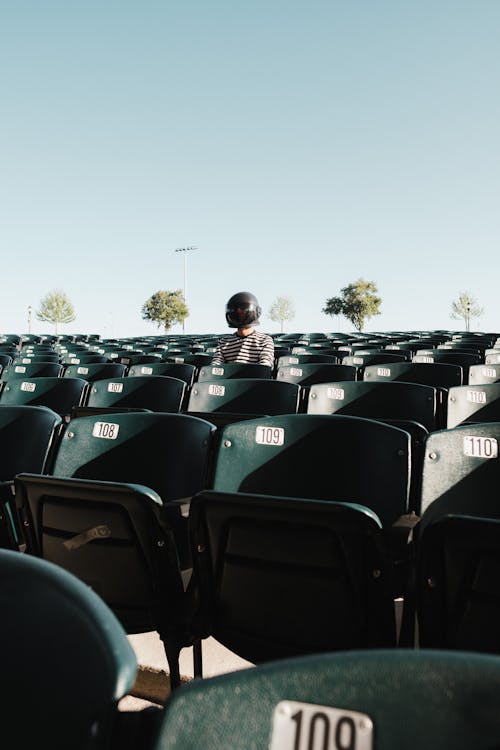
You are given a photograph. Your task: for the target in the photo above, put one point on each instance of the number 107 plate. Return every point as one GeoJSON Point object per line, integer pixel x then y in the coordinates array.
{"type": "Point", "coordinates": [305, 726]}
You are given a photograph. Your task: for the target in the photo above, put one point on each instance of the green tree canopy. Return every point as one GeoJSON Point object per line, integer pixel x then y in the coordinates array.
{"type": "Point", "coordinates": [282, 309]}
{"type": "Point", "coordinates": [165, 309]}
{"type": "Point", "coordinates": [357, 302]}
{"type": "Point", "coordinates": [56, 308]}
{"type": "Point", "coordinates": [465, 308]}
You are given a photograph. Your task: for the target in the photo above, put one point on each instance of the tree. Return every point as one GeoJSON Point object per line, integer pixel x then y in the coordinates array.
{"type": "Point", "coordinates": [282, 309]}
{"type": "Point", "coordinates": [465, 308]}
{"type": "Point", "coordinates": [356, 302]}
{"type": "Point", "coordinates": [165, 309]}
{"type": "Point", "coordinates": [56, 308]}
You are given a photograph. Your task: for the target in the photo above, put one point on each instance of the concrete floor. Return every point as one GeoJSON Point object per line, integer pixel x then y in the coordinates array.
{"type": "Point", "coordinates": [151, 657]}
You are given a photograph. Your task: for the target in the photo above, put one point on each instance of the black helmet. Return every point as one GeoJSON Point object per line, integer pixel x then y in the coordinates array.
{"type": "Point", "coordinates": [243, 310]}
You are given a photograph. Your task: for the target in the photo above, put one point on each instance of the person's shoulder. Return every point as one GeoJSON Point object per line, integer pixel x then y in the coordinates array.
{"type": "Point", "coordinates": [264, 336]}
{"type": "Point", "coordinates": [226, 337]}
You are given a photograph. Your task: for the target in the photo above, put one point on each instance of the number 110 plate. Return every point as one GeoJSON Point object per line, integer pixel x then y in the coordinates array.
{"type": "Point", "coordinates": [305, 726]}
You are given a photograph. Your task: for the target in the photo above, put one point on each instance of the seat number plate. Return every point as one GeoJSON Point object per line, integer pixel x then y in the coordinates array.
{"type": "Point", "coordinates": [115, 387]}
{"type": "Point", "coordinates": [107, 430]}
{"type": "Point", "coordinates": [269, 435]}
{"type": "Point", "coordinates": [216, 390]}
{"type": "Point", "coordinates": [336, 394]}
{"type": "Point", "coordinates": [26, 386]}
{"type": "Point", "coordinates": [480, 447]}
{"type": "Point", "coordinates": [305, 726]}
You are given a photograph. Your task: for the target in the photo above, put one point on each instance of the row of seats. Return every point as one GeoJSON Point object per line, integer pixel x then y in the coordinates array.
{"type": "Point", "coordinates": [316, 507]}
{"type": "Point", "coordinates": [68, 662]}
{"type": "Point", "coordinates": [430, 406]}
{"type": "Point", "coordinates": [258, 525]}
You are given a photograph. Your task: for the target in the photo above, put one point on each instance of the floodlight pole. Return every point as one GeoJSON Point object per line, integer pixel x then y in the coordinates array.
{"type": "Point", "coordinates": [185, 250]}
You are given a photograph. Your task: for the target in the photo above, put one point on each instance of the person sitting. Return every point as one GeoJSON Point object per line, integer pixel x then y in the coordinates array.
{"type": "Point", "coordinates": [246, 344]}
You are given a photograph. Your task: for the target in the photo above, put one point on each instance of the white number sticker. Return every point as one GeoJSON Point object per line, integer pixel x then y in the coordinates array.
{"type": "Point", "coordinates": [146, 370]}
{"type": "Point", "coordinates": [293, 360]}
{"type": "Point", "coordinates": [115, 387]}
{"type": "Point", "coordinates": [476, 397]}
{"type": "Point", "coordinates": [108, 430]}
{"type": "Point", "coordinates": [357, 361]}
{"type": "Point", "coordinates": [384, 372]}
{"type": "Point", "coordinates": [82, 370]}
{"type": "Point", "coordinates": [26, 361]}
{"type": "Point", "coordinates": [18, 368]}
{"type": "Point", "coordinates": [179, 360]}
{"type": "Point", "coordinates": [426, 360]}
{"type": "Point", "coordinates": [296, 371]}
{"type": "Point", "coordinates": [216, 390]}
{"type": "Point", "coordinates": [217, 371]}
{"type": "Point", "coordinates": [337, 394]}
{"type": "Point", "coordinates": [74, 361]}
{"type": "Point", "coordinates": [30, 387]}
{"type": "Point", "coordinates": [269, 435]}
{"type": "Point", "coordinates": [489, 372]}
{"type": "Point", "coordinates": [304, 726]}
{"type": "Point", "coordinates": [480, 447]}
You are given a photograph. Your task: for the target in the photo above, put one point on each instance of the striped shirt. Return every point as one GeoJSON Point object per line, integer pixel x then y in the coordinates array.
{"type": "Point", "coordinates": [255, 348]}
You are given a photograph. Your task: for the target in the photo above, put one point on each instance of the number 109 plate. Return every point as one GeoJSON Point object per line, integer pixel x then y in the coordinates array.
{"type": "Point", "coordinates": [305, 726]}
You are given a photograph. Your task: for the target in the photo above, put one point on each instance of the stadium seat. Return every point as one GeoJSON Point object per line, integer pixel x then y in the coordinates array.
{"type": "Point", "coordinates": [168, 454]}
{"type": "Point", "coordinates": [59, 394]}
{"type": "Point", "coordinates": [375, 399]}
{"type": "Point", "coordinates": [178, 370]}
{"type": "Point", "coordinates": [27, 435]}
{"type": "Point", "coordinates": [325, 457]}
{"type": "Point", "coordinates": [234, 370]}
{"type": "Point", "coordinates": [66, 660]}
{"type": "Point", "coordinates": [315, 372]}
{"type": "Point", "coordinates": [438, 374]}
{"type": "Point", "coordinates": [32, 370]}
{"type": "Point", "coordinates": [95, 371]}
{"type": "Point", "coordinates": [382, 699]}
{"type": "Point", "coordinates": [113, 537]}
{"type": "Point", "coordinates": [157, 393]}
{"type": "Point", "coordinates": [282, 576]}
{"type": "Point", "coordinates": [304, 358]}
{"type": "Point", "coordinates": [244, 396]}
{"type": "Point", "coordinates": [457, 540]}
{"type": "Point", "coordinates": [473, 403]}
{"type": "Point", "coordinates": [483, 374]}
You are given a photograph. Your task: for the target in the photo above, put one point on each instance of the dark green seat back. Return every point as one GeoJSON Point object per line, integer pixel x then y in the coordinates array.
{"type": "Point", "coordinates": [178, 370]}
{"type": "Point", "coordinates": [244, 395]}
{"type": "Point", "coordinates": [473, 403]}
{"type": "Point", "coordinates": [315, 372]}
{"type": "Point", "coordinates": [33, 370]}
{"type": "Point", "coordinates": [458, 591]}
{"type": "Point", "coordinates": [460, 470]}
{"type": "Point", "coordinates": [166, 452]}
{"type": "Point", "coordinates": [438, 374]}
{"type": "Point", "coordinates": [158, 393]}
{"type": "Point", "coordinates": [58, 394]}
{"type": "Point", "coordinates": [26, 437]}
{"type": "Point", "coordinates": [415, 699]}
{"type": "Point", "coordinates": [66, 660]}
{"type": "Point", "coordinates": [91, 371]}
{"type": "Point", "coordinates": [484, 373]}
{"type": "Point", "coordinates": [282, 576]}
{"type": "Point", "coordinates": [234, 370]}
{"type": "Point", "coordinates": [394, 400]}
{"type": "Point", "coordinates": [323, 457]}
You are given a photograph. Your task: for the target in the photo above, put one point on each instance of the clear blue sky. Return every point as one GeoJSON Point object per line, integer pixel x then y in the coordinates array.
{"type": "Point", "coordinates": [298, 145]}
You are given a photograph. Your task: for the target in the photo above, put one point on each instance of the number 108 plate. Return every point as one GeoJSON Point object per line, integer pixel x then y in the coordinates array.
{"type": "Point", "coordinates": [305, 726]}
